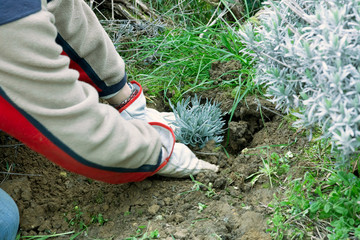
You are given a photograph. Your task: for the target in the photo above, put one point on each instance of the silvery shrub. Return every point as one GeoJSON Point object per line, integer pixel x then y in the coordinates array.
{"type": "Point", "coordinates": [308, 56]}
{"type": "Point", "coordinates": [196, 123]}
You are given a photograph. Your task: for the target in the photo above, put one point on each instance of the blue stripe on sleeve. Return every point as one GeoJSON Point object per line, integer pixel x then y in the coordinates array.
{"type": "Point", "coordinates": [12, 10]}
{"type": "Point", "coordinates": [106, 90]}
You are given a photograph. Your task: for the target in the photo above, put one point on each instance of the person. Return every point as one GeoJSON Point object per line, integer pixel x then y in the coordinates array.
{"type": "Point", "coordinates": [56, 60]}
{"type": "Point", "coordinates": [9, 217]}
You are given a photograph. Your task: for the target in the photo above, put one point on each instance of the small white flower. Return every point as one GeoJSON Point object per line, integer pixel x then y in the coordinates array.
{"type": "Point", "coordinates": [289, 154]}
{"type": "Point", "coordinates": [244, 151]}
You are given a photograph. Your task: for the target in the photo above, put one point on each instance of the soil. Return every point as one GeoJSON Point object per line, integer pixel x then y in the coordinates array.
{"type": "Point", "coordinates": [226, 205]}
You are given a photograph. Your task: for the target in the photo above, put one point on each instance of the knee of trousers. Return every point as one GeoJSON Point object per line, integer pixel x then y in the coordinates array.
{"type": "Point", "coordinates": [9, 217]}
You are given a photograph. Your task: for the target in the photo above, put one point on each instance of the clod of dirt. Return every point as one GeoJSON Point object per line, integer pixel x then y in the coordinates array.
{"type": "Point", "coordinates": [153, 209]}
{"type": "Point", "coordinates": [224, 70]}
{"type": "Point", "coordinates": [220, 183]}
{"type": "Point", "coordinates": [181, 234]}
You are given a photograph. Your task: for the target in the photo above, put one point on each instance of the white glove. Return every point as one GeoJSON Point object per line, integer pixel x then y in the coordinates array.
{"type": "Point", "coordinates": [182, 162]}
{"type": "Point", "coordinates": [136, 109]}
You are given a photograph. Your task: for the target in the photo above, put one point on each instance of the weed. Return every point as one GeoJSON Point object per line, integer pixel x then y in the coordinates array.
{"type": "Point", "coordinates": [76, 220]}
{"type": "Point", "coordinates": [273, 167]}
{"type": "Point", "coordinates": [201, 207]}
{"type": "Point", "coordinates": [142, 234]}
{"type": "Point", "coordinates": [266, 170]}
{"type": "Point", "coordinates": [282, 163]}
{"type": "Point", "coordinates": [99, 218]}
{"type": "Point", "coordinates": [322, 204]}
{"type": "Point", "coordinates": [198, 186]}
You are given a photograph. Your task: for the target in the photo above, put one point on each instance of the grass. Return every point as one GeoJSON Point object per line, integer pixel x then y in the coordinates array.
{"type": "Point", "coordinates": [185, 13]}
{"type": "Point", "coordinates": [179, 61]}
{"type": "Point", "coordinates": [72, 235]}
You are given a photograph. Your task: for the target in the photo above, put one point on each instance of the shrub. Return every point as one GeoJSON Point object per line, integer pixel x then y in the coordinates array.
{"type": "Point", "coordinates": [197, 123]}
{"type": "Point", "coordinates": [308, 57]}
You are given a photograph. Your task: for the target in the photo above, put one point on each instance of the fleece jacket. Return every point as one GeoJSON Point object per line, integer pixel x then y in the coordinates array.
{"type": "Point", "coordinates": [56, 60]}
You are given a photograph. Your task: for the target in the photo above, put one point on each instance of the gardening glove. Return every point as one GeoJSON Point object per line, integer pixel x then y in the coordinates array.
{"type": "Point", "coordinates": [135, 108]}
{"type": "Point", "coordinates": [181, 161]}
{"type": "Point", "coordinates": [184, 163]}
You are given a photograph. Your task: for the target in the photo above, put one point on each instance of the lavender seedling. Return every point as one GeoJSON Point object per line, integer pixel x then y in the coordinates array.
{"type": "Point", "coordinates": [196, 123]}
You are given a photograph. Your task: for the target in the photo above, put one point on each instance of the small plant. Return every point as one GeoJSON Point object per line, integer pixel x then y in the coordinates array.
{"type": "Point", "coordinates": [201, 207]}
{"type": "Point", "coordinates": [76, 220]}
{"type": "Point", "coordinates": [98, 219]}
{"type": "Point", "coordinates": [273, 167]}
{"type": "Point", "coordinates": [199, 186]}
{"type": "Point", "coordinates": [143, 234]}
{"type": "Point", "coordinates": [199, 123]}
{"type": "Point", "coordinates": [267, 170]}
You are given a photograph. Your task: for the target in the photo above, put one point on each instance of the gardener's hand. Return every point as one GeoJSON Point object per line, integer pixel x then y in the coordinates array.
{"type": "Point", "coordinates": [181, 161]}
{"type": "Point", "coordinates": [135, 108]}
{"type": "Point", "coordinates": [184, 163]}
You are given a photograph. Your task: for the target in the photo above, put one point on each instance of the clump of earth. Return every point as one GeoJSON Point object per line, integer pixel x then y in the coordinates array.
{"type": "Point", "coordinates": [226, 205]}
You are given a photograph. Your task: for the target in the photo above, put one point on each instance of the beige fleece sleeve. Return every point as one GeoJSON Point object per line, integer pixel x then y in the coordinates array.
{"type": "Point", "coordinates": [35, 81]}
{"type": "Point", "coordinates": [80, 28]}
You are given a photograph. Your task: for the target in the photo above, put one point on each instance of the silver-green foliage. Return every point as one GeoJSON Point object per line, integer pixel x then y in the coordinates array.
{"type": "Point", "coordinates": [308, 55]}
{"type": "Point", "coordinates": [196, 123]}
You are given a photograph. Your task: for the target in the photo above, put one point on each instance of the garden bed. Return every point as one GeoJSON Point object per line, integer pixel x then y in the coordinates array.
{"type": "Point", "coordinates": [231, 204]}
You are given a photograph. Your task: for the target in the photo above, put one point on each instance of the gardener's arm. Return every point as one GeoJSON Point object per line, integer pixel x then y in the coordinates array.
{"type": "Point", "coordinates": [43, 104]}
{"type": "Point", "coordinates": [88, 46]}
